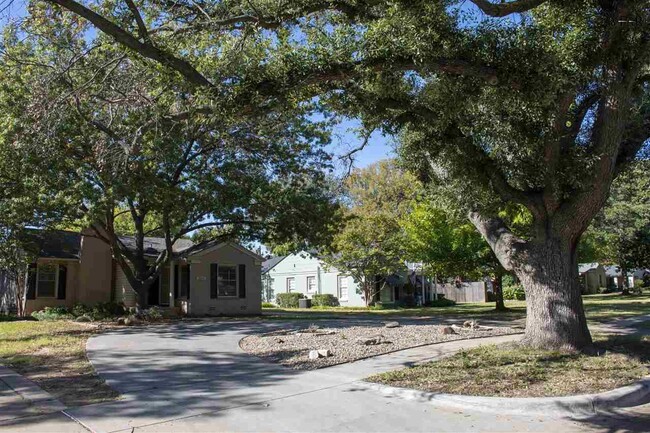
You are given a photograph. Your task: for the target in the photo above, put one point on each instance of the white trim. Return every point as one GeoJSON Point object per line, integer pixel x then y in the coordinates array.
{"type": "Point", "coordinates": [231, 244]}
{"type": "Point", "coordinates": [56, 281]}
{"type": "Point", "coordinates": [340, 278]}
{"type": "Point", "coordinates": [236, 266]}
{"type": "Point", "coordinates": [286, 284]}
{"type": "Point", "coordinates": [307, 284]}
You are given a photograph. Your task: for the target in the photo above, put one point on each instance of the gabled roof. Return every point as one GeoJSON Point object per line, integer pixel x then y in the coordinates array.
{"type": "Point", "coordinates": [154, 246]}
{"type": "Point", "coordinates": [204, 248]}
{"type": "Point", "coordinates": [613, 271]}
{"type": "Point", "coordinates": [269, 264]}
{"type": "Point", "coordinates": [55, 244]}
{"type": "Point", "coordinates": [640, 273]}
{"type": "Point", "coordinates": [584, 267]}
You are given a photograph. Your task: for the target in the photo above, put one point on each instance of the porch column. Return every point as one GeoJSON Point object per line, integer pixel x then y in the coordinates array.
{"type": "Point", "coordinates": [172, 284]}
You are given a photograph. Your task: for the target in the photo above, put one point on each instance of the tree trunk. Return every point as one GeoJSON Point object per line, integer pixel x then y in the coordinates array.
{"type": "Point", "coordinates": [555, 314]}
{"type": "Point", "coordinates": [497, 285]}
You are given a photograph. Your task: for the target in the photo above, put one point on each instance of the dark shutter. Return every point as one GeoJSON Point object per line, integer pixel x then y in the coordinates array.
{"type": "Point", "coordinates": [63, 277]}
{"type": "Point", "coordinates": [213, 280]}
{"type": "Point", "coordinates": [177, 280]}
{"type": "Point", "coordinates": [185, 281]}
{"type": "Point", "coordinates": [189, 270]}
{"type": "Point", "coordinates": [31, 282]}
{"type": "Point", "coordinates": [242, 281]}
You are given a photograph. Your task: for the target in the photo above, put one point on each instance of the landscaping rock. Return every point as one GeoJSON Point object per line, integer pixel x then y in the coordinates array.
{"type": "Point", "coordinates": [350, 343]}
{"type": "Point", "coordinates": [447, 330]}
{"type": "Point", "coordinates": [370, 341]}
{"type": "Point", "coordinates": [120, 321]}
{"type": "Point", "coordinates": [391, 325]}
{"type": "Point", "coordinates": [313, 354]}
{"type": "Point", "coordinates": [130, 321]}
{"type": "Point", "coordinates": [467, 324]}
{"type": "Point", "coordinates": [324, 353]}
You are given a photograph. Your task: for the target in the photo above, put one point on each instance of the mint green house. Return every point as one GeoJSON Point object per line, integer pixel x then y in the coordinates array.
{"type": "Point", "coordinates": [305, 273]}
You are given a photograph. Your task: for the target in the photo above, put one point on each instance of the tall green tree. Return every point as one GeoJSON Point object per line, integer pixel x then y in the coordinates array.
{"type": "Point", "coordinates": [449, 247]}
{"type": "Point", "coordinates": [140, 155]}
{"type": "Point", "coordinates": [541, 103]}
{"type": "Point", "coordinates": [620, 233]}
{"type": "Point", "coordinates": [369, 245]}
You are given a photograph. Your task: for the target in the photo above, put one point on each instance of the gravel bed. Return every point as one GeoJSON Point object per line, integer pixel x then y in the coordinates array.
{"type": "Point", "coordinates": [346, 344]}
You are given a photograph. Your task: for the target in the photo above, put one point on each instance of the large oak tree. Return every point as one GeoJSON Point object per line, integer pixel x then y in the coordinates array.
{"type": "Point", "coordinates": [541, 103]}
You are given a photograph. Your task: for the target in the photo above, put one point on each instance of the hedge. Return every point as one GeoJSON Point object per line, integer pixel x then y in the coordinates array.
{"type": "Point", "coordinates": [288, 300]}
{"type": "Point", "coordinates": [324, 300]}
{"type": "Point", "coordinates": [514, 293]}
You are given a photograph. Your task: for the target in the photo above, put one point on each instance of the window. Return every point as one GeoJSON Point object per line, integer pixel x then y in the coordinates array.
{"type": "Point", "coordinates": [311, 284]}
{"type": "Point", "coordinates": [46, 281]}
{"type": "Point", "coordinates": [291, 284]}
{"type": "Point", "coordinates": [227, 280]}
{"type": "Point", "coordinates": [343, 288]}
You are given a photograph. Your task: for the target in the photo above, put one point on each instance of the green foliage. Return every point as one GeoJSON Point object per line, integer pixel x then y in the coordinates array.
{"type": "Point", "coordinates": [151, 314]}
{"type": "Point", "coordinates": [268, 305]}
{"type": "Point", "coordinates": [446, 246]}
{"type": "Point", "coordinates": [324, 300]}
{"type": "Point", "coordinates": [514, 293]}
{"type": "Point", "coordinates": [288, 300]}
{"type": "Point", "coordinates": [99, 311]}
{"type": "Point", "coordinates": [620, 233]}
{"type": "Point", "coordinates": [370, 242]}
{"type": "Point", "coordinates": [441, 302]}
{"type": "Point", "coordinates": [53, 313]}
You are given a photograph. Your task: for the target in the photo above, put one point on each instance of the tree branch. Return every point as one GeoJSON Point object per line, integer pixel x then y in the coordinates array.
{"type": "Point", "coordinates": [142, 28]}
{"type": "Point", "coordinates": [502, 241]}
{"type": "Point", "coordinates": [127, 39]}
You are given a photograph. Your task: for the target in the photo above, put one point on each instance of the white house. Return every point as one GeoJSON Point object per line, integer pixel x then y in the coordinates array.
{"type": "Point", "coordinates": [305, 273]}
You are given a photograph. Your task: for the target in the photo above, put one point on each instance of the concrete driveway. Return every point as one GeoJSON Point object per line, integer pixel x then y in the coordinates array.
{"type": "Point", "coordinates": [192, 376]}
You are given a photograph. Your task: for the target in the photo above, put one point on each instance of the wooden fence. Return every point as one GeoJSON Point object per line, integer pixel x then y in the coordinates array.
{"type": "Point", "coordinates": [467, 292]}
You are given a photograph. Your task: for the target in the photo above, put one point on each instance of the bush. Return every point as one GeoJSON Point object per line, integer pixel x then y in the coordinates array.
{"type": "Point", "coordinates": [514, 293]}
{"type": "Point", "coordinates": [151, 314]}
{"type": "Point", "coordinates": [99, 311]}
{"type": "Point", "coordinates": [407, 301]}
{"type": "Point", "coordinates": [324, 300]}
{"type": "Point", "coordinates": [288, 300]}
{"type": "Point", "coordinates": [268, 305]}
{"type": "Point", "coordinates": [638, 286]}
{"type": "Point", "coordinates": [441, 302]}
{"type": "Point", "coordinates": [53, 313]}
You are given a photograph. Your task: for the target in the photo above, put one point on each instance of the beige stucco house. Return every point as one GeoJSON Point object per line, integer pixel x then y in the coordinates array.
{"type": "Point", "coordinates": [592, 277]}
{"type": "Point", "coordinates": [219, 278]}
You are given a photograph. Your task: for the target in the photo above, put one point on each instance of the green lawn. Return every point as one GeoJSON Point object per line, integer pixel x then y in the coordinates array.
{"type": "Point", "coordinates": [598, 308]}
{"type": "Point", "coordinates": [513, 371]}
{"type": "Point", "coordinates": [53, 354]}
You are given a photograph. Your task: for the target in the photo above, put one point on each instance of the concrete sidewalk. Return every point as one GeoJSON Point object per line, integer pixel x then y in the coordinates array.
{"type": "Point", "coordinates": [20, 397]}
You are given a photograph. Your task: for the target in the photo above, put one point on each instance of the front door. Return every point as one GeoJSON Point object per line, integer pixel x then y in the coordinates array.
{"type": "Point", "coordinates": [154, 293]}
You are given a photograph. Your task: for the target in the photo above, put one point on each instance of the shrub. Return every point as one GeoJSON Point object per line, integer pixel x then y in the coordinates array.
{"type": "Point", "coordinates": [268, 305]}
{"type": "Point", "coordinates": [53, 313]}
{"type": "Point", "coordinates": [99, 311]}
{"type": "Point", "coordinates": [638, 286]}
{"type": "Point", "coordinates": [514, 293]}
{"type": "Point", "coordinates": [407, 301]}
{"type": "Point", "coordinates": [325, 300]}
{"type": "Point", "coordinates": [152, 314]}
{"type": "Point", "coordinates": [441, 302]}
{"type": "Point", "coordinates": [288, 300]}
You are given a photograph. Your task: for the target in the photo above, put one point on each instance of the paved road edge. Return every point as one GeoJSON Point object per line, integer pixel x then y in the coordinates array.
{"type": "Point", "coordinates": [585, 405]}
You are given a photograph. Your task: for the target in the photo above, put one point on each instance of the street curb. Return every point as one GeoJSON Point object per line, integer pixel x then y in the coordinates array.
{"type": "Point", "coordinates": [41, 400]}
{"type": "Point", "coordinates": [574, 406]}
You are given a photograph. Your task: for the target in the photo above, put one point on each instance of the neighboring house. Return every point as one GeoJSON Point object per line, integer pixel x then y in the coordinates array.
{"type": "Point", "coordinates": [614, 275]}
{"type": "Point", "coordinates": [592, 277]}
{"type": "Point", "coordinates": [642, 275]}
{"type": "Point", "coordinates": [218, 278]}
{"type": "Point", "coordinates": [305, 273]}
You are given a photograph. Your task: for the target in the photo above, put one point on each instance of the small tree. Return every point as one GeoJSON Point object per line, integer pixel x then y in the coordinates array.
{"type": "Point", "coordinates": [369, 245]}
{"type": "Point", "coordinates": [449, 247]}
